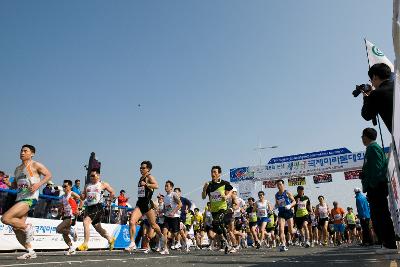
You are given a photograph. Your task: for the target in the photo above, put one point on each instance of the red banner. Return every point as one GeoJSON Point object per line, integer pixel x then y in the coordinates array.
{"type": "Point", "coordinates": [270, 184]}
{"type": "Point", "coordinates": [322, 178]}
{"type": "Point", "coordinates": [350, 175]}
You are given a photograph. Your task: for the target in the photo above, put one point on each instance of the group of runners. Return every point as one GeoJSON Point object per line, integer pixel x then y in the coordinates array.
{"type": "Point", "coordinates": [228, 221]}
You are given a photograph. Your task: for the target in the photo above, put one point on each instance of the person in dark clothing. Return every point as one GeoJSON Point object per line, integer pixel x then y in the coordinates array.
{"type": "Point", "coordinates": [374, 181]}
{"type": "Point", "coordinates": [186, 204]}
{"type": "Point", "coordinates": [380, 100]}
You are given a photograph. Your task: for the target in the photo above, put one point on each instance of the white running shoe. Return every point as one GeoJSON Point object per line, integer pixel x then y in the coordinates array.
{"type": "Point", "coordinates": [28, 255]}
{"type": "Point", "coordinates": [131, 247]}
{"type": "Point", "coordinates": [173, 247]}
{"type": "Point", "coordinates": [164, 252]}
{"type": "Point", "coordinates": [146, 251]}
{"type": "Point", "coordinates": [178, 245]}
{"type": "Point", "coordinates": [283, 248]}
{"type": "Point", "coordinates": [70, 251]}
{"type": "Point", "coordinates": [29, 231]}
{"type": "Point", "coordinates": [232, 250]}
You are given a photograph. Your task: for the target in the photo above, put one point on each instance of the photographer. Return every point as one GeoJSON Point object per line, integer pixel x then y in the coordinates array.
{"type": "Point", "coordinates": [380, 100]}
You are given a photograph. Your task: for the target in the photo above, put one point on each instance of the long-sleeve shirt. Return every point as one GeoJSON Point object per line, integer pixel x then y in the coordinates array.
{"type": "Point", "coordinates": [362, 206]}
{"type": "Point", "coordinates": [374, 170]}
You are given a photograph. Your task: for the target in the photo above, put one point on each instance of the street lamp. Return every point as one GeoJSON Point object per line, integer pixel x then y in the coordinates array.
{"type": "Point", "coordinates": [260, 148]}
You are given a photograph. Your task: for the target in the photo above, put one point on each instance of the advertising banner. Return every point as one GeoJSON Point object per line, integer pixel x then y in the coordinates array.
{"type": "Point", "coordinates": [296, 181]}
{"type": "Point", "coordinates": [247, 189]}
{"type": "Point", "coordinates": [322, 178]}
{"type": "Point", "coordinates": [240, 174]}
{"type": "Point", "coordinates": [269, 184]}
{"type": "Point", "coordinates": [350, 175]}
{"type": "Point", "coordinates": [45, 236]}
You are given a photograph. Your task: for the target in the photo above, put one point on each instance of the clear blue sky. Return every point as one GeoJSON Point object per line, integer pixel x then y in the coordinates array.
{"type": "Point", "coordinates": [213, 79]}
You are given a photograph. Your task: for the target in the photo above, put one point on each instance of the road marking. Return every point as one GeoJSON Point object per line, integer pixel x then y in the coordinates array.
{"type": "Point", "coordinates": [69, 262]}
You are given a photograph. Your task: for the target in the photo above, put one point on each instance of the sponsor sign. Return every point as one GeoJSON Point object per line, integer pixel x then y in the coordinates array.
{"type": "Point", "coordinates": [269, 184]}
{"type": "Point", "coordinates": [46, 237]}
{"type": "Point", "coordinates": [241, 174]}
{"type": "Point", "coordinates": [322, 178]}
{"type": "Point", "coordinates": [296, 181]}
{"type": "Point", "coordinates": [351, 175]}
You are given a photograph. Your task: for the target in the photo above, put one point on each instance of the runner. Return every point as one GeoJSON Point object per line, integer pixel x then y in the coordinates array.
{"type": "Point", "coordinates": [350, 220]}
{"type": "Point", "coordinates": [208, 226]}
{"type": "Point", "coordinates": [172, 205]}
{"type": "Point", "coordinates": [271, 227]}
{"type": "Point", "coordinates": [218, 191]}
{"type": "Point", "coordinates": [322, 213]}
{"type": "Point", "coordinates": [233, 204]}
{"type": "Point", "coordinates": [314, 227]}
{"type": "Point", "coordinates": [160, 218]}
{"type": "Point", "coordinates": [337, 214]}
{"type": "Point", "coordinates": [285, 202]}
{"type": "Point", "coordinates": [146, 186]}
{"type": "Point", "coordinates": [93, 194]}
{"type": "Point", "coordinates": [302, 210]}
{"type": "Point", "coordinates": [251, 212]}
{"type": "Point", "coordinates": [27, 182]}
{"type": "Point", "coordinates": [198, 228]}
{"type": "Point", "coordinates": [69, 210]}
{"type": "Point", "coordinates": [263, 208]}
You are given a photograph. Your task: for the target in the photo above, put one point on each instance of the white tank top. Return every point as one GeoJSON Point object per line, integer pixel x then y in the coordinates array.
{"type": "Point", "coordinates": [94, 194]}
{"type": "Point", "coordinates": [262, 209]}
{"type": "Point", "coordinates": [66, 206]}
{"type": "Point", "coordinates": [170, 205]}
{"type": "Point", "coordinates": [25, 179]}
{"type": "Point", "coordinates": [160, 215]}
{"type": "Point", "coordinates": [323, 211]}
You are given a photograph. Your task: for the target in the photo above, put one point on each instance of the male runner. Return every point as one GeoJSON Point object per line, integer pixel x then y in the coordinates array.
{"type": "Point", "coordinates": [263, 208]}
{"type": "Point", "coordinates": [146, 186]}
{"type": "Point", "coordinates": [252, 218]}
{"type": "Point", "coordinates": [69, 212]}
{"type": "Point", "coordinates": [350, 220]}
{"type": "Point", "coordinates": [338, 222]}
{"type": "Point", "coordinates": [94, 212]}
{"type": "Point", "coordinates": [302, 210]}
{"type": "Point", "coordinates": [285, 202]}
{"type": "Point", "coordinates": [27, 182]}
{"type": "Point", "coordinates": [218, 191]}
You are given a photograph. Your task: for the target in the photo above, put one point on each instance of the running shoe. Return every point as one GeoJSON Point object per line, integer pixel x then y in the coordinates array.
{"type": "Point", "coordinates": [83, 247]}
{"type": "Point", "coordinates": [73, 233]}
{"type": "Point", "coordinates": [178, 245]}
{"type": "Point", "coordinates": [111, 244]}
{"type": "Point", "coordinates": [307, 244]}
{"type": "Point", "coordinates": [258, 245]}
{"type": "Point", "coordinates": [132, 247]}
{"type": "Point", "coordinates": [29, 231]}
{"type": "Point", "coordinates": [70, 251]}
{"type": "Point", "coordinates": [233, 250]}
{"type": "Point", "coordinates": [164, 252]}
{"type": "Point", "coordinates": [283, 248]}
{"type": "Point", "coordinates": [146, 251]}
{"type": "Point", "coordinates": [28, 255]}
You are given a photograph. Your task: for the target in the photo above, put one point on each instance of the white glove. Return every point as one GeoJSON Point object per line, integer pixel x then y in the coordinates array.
{"type": "Point", "coordinates": [288, 207]}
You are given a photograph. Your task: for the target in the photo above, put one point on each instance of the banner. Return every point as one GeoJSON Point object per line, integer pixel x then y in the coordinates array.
{"type": "Point", "coordinates": [328, 161]}
{"type": "Point", "coordinates": [376, 56]}
{"type": "Point", "coordinates": [240, 174]}
{"type": "Point", "coordinates": [296, 181]}
{"type": "Point", "coordinates": [396, 93]}
{"type": "Point", "coordinates": [45, 236]}
{"type": "Point", "coordinates": [322, 178]}
{"type": "Point", "coordinates": [269, 184]}
{"type": "Point", "coordinates": [351, 175]}
{"type": "Point", "coordinates": [247, 188]}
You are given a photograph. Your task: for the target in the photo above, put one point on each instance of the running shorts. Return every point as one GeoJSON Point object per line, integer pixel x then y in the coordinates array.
{"type": "Point", "coordinates": [285, 214]}
{"type": "Point", "coordinates": [95, 213]}
{"type": "Point", "coordinates": [31, 202]}
{"type": "Point", "coordinates": [339, 227]}
{"type": "Point", "coordinates": [300, 221]}
{"type": "Point", "coordinates": [172, 224]}
{"type": "Point", "coordinates": [144, 206]}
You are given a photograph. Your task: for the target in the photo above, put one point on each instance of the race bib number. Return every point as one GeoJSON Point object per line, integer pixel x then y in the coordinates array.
{"type": "Point", "coordinates": [91, 197]}
{"type": "Point", "coordinates": [301, 205]}
{"type": "Point", "coordinates": [168, 209]}
{"type": "Point", "coordinates": [281, 202]}
{"type": "Point", "coordinates": [337, 217]}
{"type": "Point", "coordinates": [262, 213]}
{"type": "Point", "coordinates": [215, 196]}
{"type": "Point", "coordinates": [23, 184]}
{"type": "Point", "coordinates": [141, 191]}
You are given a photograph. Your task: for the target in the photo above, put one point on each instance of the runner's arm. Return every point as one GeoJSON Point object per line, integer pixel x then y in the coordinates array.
{"type": "Point", "coordinates": [204, 193]}
{"type": "Point", "coordinates": [75, 195]}
{"type": "Point", "coordinates": [43, 171]}
{"type": "Point", "coordinates": [151, 182]}
{"type": "Point", "coordinates": [110, 190]}
{"type": "Point", "coordinates": [291, 199]}
{"type": "Point", "coordinates": [179, 202]}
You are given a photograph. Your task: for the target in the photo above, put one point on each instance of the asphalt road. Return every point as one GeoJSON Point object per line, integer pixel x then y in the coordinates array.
{"type": "Point", "coordinates": [296, 256]}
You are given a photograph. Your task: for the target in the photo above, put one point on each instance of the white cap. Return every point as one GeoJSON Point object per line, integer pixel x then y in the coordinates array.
{"type": "Point", "coordinates": [50, 182]}
{"type": "Point", "coordinates": [357, 190]}
{"type": "Point", "coordinates": [234, 189]}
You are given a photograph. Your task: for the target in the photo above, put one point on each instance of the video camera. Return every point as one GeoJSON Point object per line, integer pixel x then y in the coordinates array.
{"type": "Point", "coordinates": [362, 88]}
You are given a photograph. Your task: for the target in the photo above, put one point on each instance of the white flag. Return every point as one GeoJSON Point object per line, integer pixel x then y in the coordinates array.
{"type": "Point", "coordinates": [376, 56]}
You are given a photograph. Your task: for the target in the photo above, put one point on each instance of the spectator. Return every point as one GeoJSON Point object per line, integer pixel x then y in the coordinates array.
{"type": "Point", "coordinates": [375, 183]}
{"type": "Point", "coordinates": [364, 216]}
{"type": "Point", "coordinates": [3, 180]}
{"type": "Point", "coordinates": [122, 200]}
{"type": "Point", "coordinates": [48, 190]}
{"type": "Point", "coordinates": [77, 187]}
{"type": "Point", "coordinates": [380, 100]}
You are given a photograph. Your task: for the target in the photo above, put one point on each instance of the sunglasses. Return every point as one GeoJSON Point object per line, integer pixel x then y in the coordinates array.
{"type": "Point", "coordinates": [142, 168]}
{"type": "Point", "coordinates": [65, 186]}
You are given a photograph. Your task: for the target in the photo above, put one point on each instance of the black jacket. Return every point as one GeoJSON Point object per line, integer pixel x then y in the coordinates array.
{"type": "Point", "coordinates": [380, 101]}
